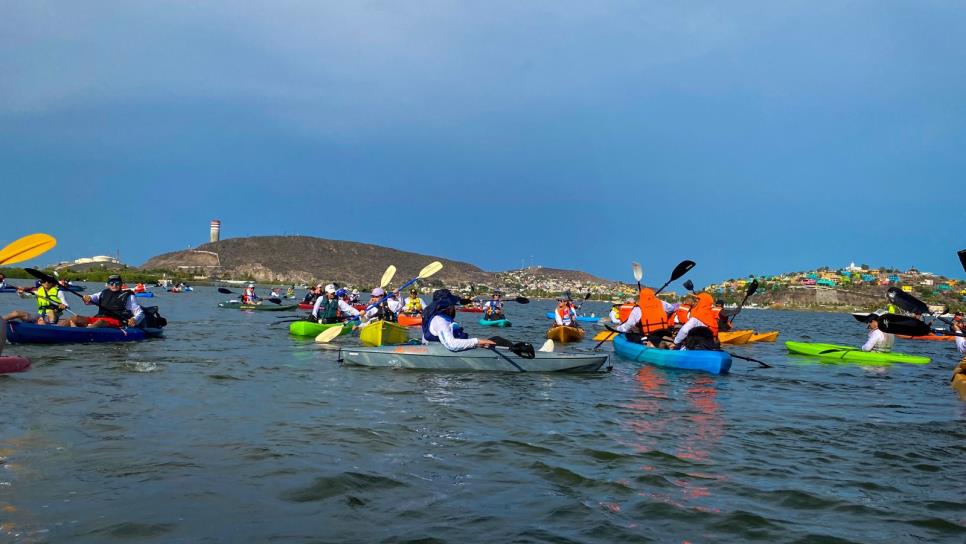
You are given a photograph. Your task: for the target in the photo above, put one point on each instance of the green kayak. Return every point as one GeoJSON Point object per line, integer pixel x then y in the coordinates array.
{"type": "Point", "coordinates": [852, 354]}
{"type": "Point", "coordinates": [263, 307]}
{"type": "Point", "coordinates": [311, 328]}
{"type": "Point", "coordinates": [494, 322]}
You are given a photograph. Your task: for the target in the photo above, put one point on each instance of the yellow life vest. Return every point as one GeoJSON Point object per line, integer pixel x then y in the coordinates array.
{"type": "Point", "coordinates": [413, 304]}
{"type": "Point", "coordinates": [42, 295]}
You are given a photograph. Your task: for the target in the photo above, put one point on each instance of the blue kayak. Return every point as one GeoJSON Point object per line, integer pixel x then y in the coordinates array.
{"type": "Point", "coordinates": [146, 294]}
{"type": "Point", "coordinates": [494, 322]}
{"type": "Point", "coordinates": [584, 318]}
{"type": "Point", "coordinates": [19, 332]}
{"type": "Point", "coordinates": [714, 362]}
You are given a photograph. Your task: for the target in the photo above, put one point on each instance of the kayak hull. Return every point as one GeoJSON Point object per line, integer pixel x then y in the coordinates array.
{"type": "Point", "coordinates": [383, 333]}
{"type": "Point", "coordinates": [13, 363]}
{"type": "Point", "coordinates": [410, 320]}
{"type": "Point", "coordinates": [146, 294]}
{"type": "Point", "coordinates": [495, 322]}
{"type": "Point", "coordinates": [264, 307]}
{"type": "Point", "coordinates": [565, 334]}
{"type": "Point", "coordinates": [933, 337]}
{"type": "Point", "coordinates": [311, 328]}
{"type": "Point", "coordinates": [958, 383]}
{"type": "Point", "coordinates": [735, 337]}
{"type": "Point", "coordinates": [770, 336]}
{"type": "Point", "coordinates": [436, 357]}
{"type": "Point", "coordinates": [30, 333]}
{"type": "Point", "coordinates": [306, 306]}
{"type": "Point", "coordinates": [852, 354]}
{"type": "Point", "coordinates": [712, 362]}
{"type": "Point", "coordinates": [582, 318]}
{"type": "Point", "coordinates": [470, 310]}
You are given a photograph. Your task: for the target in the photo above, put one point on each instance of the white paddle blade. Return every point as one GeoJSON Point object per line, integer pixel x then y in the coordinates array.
{"type": "Point", "coordinates": [430, 269]}
{"type": "Point", "coordinates": [547, 346]}
{"type": "Point", "coordinates": [387, 276]}
{"type": "Point", "coordinates": [638, 273]}
{"type": "Point", "coordinates": [328, 335]}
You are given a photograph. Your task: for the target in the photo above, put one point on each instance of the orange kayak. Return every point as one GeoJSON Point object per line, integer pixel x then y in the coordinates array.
{"type": "Point", "coordinates": [410, 320]}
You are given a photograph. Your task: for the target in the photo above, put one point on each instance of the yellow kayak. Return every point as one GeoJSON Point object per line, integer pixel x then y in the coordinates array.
{"type": "Point", "coordinates": [770, 336]}
{"type": "Point", "coordinates": [383, 333]}
{"type": "Point", "coordinates": [958, 382]}
{"type": "Point", "coordinates": [735, 337]}
{"type": "Point", "coordinates": [564, 334]}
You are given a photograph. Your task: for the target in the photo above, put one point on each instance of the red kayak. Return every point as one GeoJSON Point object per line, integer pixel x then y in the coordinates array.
{"type": "Point", "coordinates": [470, 309]}
{"type": "Point", "coordinates": [410, 320]}
{"type": "Point", "coordinates": [12, 363]}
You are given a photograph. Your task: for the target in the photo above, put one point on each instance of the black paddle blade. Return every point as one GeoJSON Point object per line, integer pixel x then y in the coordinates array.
{"type": "Point", "coordinates": [902, 324]}
{"type": "Point", "coordinates": [523, 349]}
{"type": "Point", "coordinates": [906, 301]}
{"type": "Point", "coordinates": [522, 300]}
{"type": "Point", "coordinates": [962, 258]}
{"type": "Point", "coordinates": [689, 285]}
{"type": "Point", "coordinates": [752, 287]}
{"type": "Point", "coordinates": [42, 276]}
{"type": "Point", "coordinates": [681, 269]}
{"type": "Point", "coordinates": [224, 291]}
{"type": "Point", "coordinates": [502, 342]}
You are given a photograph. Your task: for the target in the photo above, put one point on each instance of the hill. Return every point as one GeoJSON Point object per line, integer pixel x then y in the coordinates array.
{"type": "Point", "coordinates": [303, 259]}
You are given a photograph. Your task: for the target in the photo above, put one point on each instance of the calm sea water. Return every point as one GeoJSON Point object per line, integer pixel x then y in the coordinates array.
{"type": "Point", "coordinates": [229, 430]}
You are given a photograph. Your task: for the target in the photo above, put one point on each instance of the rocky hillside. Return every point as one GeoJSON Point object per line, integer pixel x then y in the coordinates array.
{"type": "Point", "coordinates": [304, 259]}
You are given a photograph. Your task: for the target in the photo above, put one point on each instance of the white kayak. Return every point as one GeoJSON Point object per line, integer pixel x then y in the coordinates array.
{"type": "Point", "coordinates": [437, 357]}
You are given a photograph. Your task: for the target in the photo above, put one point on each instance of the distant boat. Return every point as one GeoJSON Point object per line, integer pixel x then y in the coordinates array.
{"type": "Point", "coordinates": [233, 282]}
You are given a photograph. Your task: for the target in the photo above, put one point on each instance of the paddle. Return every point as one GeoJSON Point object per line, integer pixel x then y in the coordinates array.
{"type": "Point", "coordinates": [68, 310]}
{"type": "Point", "coordinates": [689, 285]}
{"type": "Point", "coordinates": [27, 247]}
{"type": "Point", "coordinates": [638, 274]}
{"type": "Point", "coordinates": [426, 272]}
{"type": "Point", "coordinates": [752, 287]}
{"type": "Point", "coordinates": [519, 300]}
{"type": "Point", "coordinates": [387, 276]}
{"type": "Point", "coordinates": [903, 324]}
{"type": "Point", "coordinates": [911, 304]}
{"type": "Point", "coordinates": [42, 276]}
{"type": "Point", "coordinates": [225, 291]}
{"type": "Point", "coordinates": [962, 258]}
{"type": "Point", "coordinates": [329, 334]}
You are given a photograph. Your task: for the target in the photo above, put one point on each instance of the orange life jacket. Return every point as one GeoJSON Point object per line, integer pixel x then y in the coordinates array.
{"type": "Point", "coordinates": [704, 313]}
{"type": "Point", "coordinates": [681, 315]}
{"type": "Point", "coordinates": [653, 316]}
{"type": "Point", "coordinates": [625, 311]}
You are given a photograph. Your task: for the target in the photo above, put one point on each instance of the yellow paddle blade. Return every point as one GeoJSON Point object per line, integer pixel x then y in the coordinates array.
{"type": "Point", "coordinates": [387, 276]}
{"type": "Point", "coordinates": [547, 346]}
{"type": "Point", "coordinates": [328, 335]}
{"type": "Point", "coordinates": [430, 269]}
{"type": "Point", "coordinates": [27, 247]}
{"type": "Point", "coordinates": [604, 335]}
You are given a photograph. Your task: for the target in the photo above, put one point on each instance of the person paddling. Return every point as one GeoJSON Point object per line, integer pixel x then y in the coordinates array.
{"type": "Point", "coordinates": [414, 305]}
{"type": "Point", "coordinates": [381, 310]}
{"type": "Point", "coordinates": [493, 308]}
{"type": "Point", "coordinates": [701, 315]}
{"type": "Point", "coordinates": [649, 317]}
{"type": "Point", "coordinates": [331, 308]}
{"type": "Point", "coordinates": [439, 324]}
{"type": "Point", "coordinates": [249, 296]}
{"type": "Point", "coordinates": [878, 341]}
{"type": "Point", "coordinates": [51, 304]}
{"type": "Point", "coordinates": [115, 307]}
{"type": "Point", "coordinates": [565, 314]}
{"type": "Point", "coordinates": [3, 281]}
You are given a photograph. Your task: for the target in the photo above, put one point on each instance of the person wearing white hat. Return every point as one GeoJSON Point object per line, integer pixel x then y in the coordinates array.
{"type": "Point", "coordinates": [249, 296]}
{"type": "Point", "coordinates": [331, 308]}
{"type": "Point", "coordinates": [380, 308]}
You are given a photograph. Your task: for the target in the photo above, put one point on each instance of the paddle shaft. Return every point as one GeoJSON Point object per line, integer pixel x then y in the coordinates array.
{"type": "Point", "coordinates": [68, 310]}
{"type": "Point", "coordinates": [762, 363]}
{"type": "Point", "coordinates": [509, 360]}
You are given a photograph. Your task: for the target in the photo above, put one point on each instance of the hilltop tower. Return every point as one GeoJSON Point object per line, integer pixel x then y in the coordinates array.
{"type": "Point", "coordinates": [215, 231]}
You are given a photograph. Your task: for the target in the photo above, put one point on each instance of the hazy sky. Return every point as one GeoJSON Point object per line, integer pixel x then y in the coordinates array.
{"type": "Point", "coordinates": [750, 137]}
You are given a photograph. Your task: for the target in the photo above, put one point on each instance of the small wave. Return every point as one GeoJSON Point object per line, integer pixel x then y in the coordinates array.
{"type": "Point", "coordinates": [140, 366]}
{"type": "Point", "coordinates": [130, 529]}
{"type": "Point", "coordinates": [331, 486]}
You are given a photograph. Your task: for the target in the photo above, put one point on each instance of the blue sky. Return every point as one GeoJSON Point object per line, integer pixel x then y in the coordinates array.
{"type": "Point", "coordinates": [750, 137]}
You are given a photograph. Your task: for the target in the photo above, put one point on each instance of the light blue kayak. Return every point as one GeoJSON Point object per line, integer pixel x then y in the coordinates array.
{"type": "Point", "coordinates": [713, 362]}
{"type": "Point", "coordinates": [584, 318]}
{"type": "Point", "coordinates": [495, 322]}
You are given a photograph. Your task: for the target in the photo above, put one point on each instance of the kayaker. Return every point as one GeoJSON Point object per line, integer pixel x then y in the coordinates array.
{"type": "Point", "coordinates": [395, 304]}
{"type": "Point", "coordinates": [701, 315]}
{"type": "Point", "coordinates": [50, 305]}
{"type": "Point", "coordinates": [3, 282]}
{"type": "Point", "coordinates": [249, 296]}
{"type": "Point", "coordinates": [565, 314]}
{"type": "Point", "coordinates": [493, 308]}
{"type": "Point", "coordinates": [414, 305]}
{"type": "Point", "coordinates": [115, 307]}
{"type": "Point", "coordinates": [722, 315]}
{"type": "Point", "coordinates": [355, 297]}
{"type": "Point", "coordinates": [439, 324]}
{"type": "Point", "coordinates": [615, 314]}
{"type": "Point", "coordinates": [878, 341]}
{"type": "Point", "coordinates": [290, 292]}
{"type": "Point", "coordinates": [331, 308]}
{"type": "Point", "coordinates": [139, 287]}
{"type": "Point", "coordinates": [649, 316]}
{"type": "Point", "coordinates": [312, 294]}
{"type": "Point", "coordinates": [958, 325]}
{"type": "Point", "coordinates": [381, 309]}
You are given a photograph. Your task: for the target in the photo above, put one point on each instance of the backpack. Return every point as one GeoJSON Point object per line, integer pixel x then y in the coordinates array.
{"type": "Point", "coordinates": [701, 338]}
{"type": "Point", "coordinates": [152, 318]}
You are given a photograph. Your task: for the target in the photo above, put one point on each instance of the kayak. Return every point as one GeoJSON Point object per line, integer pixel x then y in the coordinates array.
{"type": "Point", "coordinates": [14, 289]}
{"type": "Point", "coordinates": [306, 306]}
{"type": "Point", "coordinates": [958, 383]}
{"type": "Point", "coordinates": [936, 337]}
{"type": "Point", "coordinates": [852, 354]}
{"type": "Point", "coordinates": [584, 318]}
{"type": "Point", "coordinates": [19, 332]}
{"type": "Point", "coordinates": [495, 322]}
{"type": "Point", "coordinates": [770, 336]}
{"type": "Point", "coordinates": [735, 337]}
{"type": "Point", "coordinates": [311, 328]}
{"type": "Point", "coordinates": [564, 334]}
{"type": "Point", "coordinates": [13, 363]}
{"type": "Point", "coordinates": [263, 307]}
{"type": "Point", "coordinates": [713, 362]}
{"type": "Point", "coordinates": [146, 294]}
{"type": "Point", "coordinates": [383, 333]}
{"type": "Point", "coordinates": [410, 320]}
{"type": "Point", "coordinates": [436, 357]}
{"type": "Point", "coordinates": [470, 309]}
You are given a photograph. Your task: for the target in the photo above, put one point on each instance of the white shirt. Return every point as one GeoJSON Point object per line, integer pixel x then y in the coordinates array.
{"type": "Point", "coordinates": [615, 316]}
{"type": "Point", "coordinates": [683, 333]}
{"type": "Point", "coordinates": [635, 317]}
{"type": "Point", "coordinates": [343, 307]}
{"type": "Point", "coordinates": [131, 305]}
{"type": "Point", "coordinates": [395, 305]}
{"type": "Point", "coordinates": [570, 320]}
{"type": "Point", "coordinates": [879, 341]}
{"type": "Point", "coordinates": [443, 330]}
{"type": "Point", "coordinates": [961, 344]}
